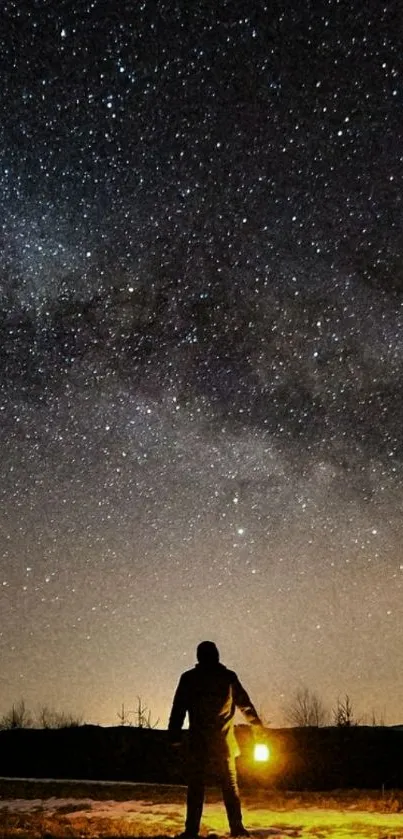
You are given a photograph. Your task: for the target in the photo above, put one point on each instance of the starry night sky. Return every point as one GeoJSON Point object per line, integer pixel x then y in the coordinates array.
{"type": "Point", "coordinates": [201, 350]}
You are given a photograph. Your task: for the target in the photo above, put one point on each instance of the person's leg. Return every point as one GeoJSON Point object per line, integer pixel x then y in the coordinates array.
{"type": "Point", "coordinates": [195, 796]}
{"type": "Point", "coordinates": [230, 792]}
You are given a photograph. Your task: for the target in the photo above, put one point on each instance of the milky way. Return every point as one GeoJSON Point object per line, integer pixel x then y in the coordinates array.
{"type": "Point", "coordinates": [201, 351]}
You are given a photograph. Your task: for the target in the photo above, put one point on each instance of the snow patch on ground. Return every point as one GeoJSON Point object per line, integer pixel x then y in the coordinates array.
{"type": "Point", "coordinates": [148, 816]}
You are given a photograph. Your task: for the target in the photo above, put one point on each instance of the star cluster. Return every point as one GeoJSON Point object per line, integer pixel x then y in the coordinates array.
{"type": "Point", "coordinates": [201, 350]}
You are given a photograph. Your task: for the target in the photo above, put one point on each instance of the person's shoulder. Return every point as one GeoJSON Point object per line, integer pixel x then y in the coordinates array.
{"type": "Point", "coordinates": [230, 674]}
{"type": "Point", "coordinates": [188, 675]}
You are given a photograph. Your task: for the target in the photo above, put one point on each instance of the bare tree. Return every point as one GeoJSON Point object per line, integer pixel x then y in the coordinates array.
{"type": "Point", "coordinates": [17, 717]}
{"type": "Point", "coordinates": [343, 715]}
{"type": "Point", "coordinates": [377, 720]}
{"type": "Point", "coordinates": [306, 709]}
{"type": "Point", "coordinates": [123, 716]}
{"type": "Point", "coordinates": [141, 714]}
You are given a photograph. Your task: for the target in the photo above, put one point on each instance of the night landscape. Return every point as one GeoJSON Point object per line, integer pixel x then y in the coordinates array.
{"type": "Point", "coordinates": [201, 402]}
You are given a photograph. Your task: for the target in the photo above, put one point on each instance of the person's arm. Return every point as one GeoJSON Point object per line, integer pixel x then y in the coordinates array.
{"type": "Point", "coordinates": [178, 712]}
{"type": "Point", "coordinates": [244, 704]}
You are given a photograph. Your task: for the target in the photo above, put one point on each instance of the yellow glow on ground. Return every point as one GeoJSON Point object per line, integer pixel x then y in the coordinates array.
{"type": "Point", "coordinates": [310, 823]}
{"type": "Point", "coordinates": [149, 811]}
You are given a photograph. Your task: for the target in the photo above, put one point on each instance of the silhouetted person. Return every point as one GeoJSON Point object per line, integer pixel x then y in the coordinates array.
{"type": "Point", "coordinates": [210, 694]}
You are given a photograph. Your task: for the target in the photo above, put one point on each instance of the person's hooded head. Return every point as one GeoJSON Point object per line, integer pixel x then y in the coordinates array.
{"type": "Point", "coordinates": [207, 654]}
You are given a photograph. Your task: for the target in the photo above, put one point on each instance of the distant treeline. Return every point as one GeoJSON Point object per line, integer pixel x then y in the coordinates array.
{"type": "Point", "coordinates": [301, 758]}
{"type": "Point", "coordinates": [19, 716]}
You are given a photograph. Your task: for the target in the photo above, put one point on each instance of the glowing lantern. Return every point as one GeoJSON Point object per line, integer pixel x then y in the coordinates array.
{"type": "Point", "coordinates": [261, 752]}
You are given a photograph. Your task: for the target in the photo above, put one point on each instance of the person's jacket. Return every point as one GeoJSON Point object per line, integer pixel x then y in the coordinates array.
{"type": "Point", "coordinates": [210, 696]}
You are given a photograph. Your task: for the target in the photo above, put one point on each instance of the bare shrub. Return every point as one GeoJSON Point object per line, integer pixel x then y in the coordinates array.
{"type": "Point", "coordinates": [17, 717]}
{"type": "Point", "coordinates": [48, 717]}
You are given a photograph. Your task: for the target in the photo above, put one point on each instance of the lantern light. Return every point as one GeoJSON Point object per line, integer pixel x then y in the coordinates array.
{"type": "Point", "coordinates": [261, 752]}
